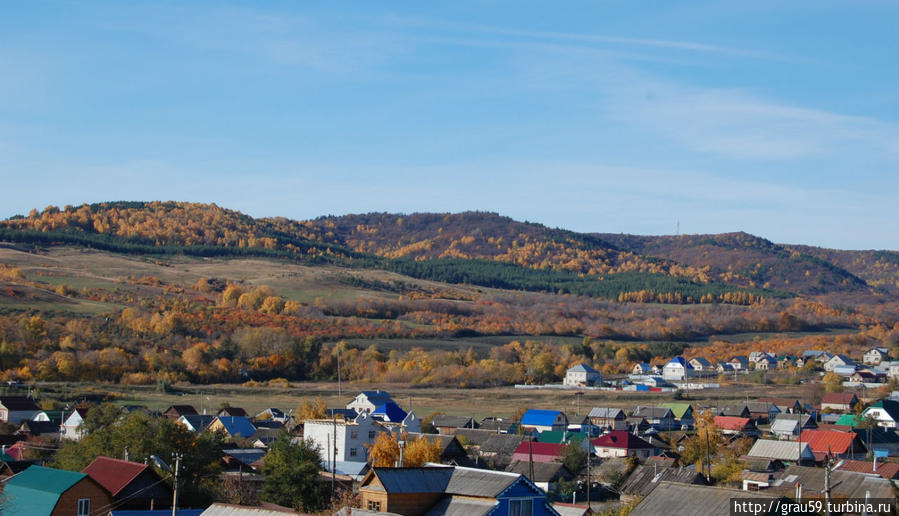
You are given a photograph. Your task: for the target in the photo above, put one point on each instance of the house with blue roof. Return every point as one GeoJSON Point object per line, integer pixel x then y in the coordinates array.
{"type": "Point", "coordinates": [367, 401]}
{"type": "Point", "coordinates": [544, 420]}
{"type": "Point", "coordinates": [678, 369]}
{"type": "Point", "coordinates": [233, 426]}
{"type": "Point", "coordinates": [389, 412]}
{"type": "Point", "coordinates": [582, 375]}
{"type": "Point", "coordinates": [40, 491]}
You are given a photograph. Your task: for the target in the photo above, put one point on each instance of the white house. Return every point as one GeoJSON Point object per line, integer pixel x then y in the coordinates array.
{"type": "Point", "coordinates": [765, 363]}
{"type": "Point", "coordinates": [677, 369]}
{"type": "Point", "coordinates": [885, 412]}
{"type": "Point", "coordinates": [367, 401]}
{"type": "Point", "coordinates": [349, 438]}
{"type": "Point", "coordinates": [837, 360]}
{"type": "Point", "coordinates": [875, 356]}
{"type": "Point", "coordinates": [582, 374]}
{"type": "Point", "coordinates": [71, 427]}
{"type": "Point", "coordinates": [701, 364]}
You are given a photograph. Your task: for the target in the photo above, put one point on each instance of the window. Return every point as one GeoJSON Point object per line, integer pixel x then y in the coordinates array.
{"type": "Point", "coordinates": [374, 506]}
{"type": "Point", "coordinates": [84, 507]}
{"type": "Point", "coordinates": [352, 452]}
{"type": "Point", "coordinates": [521, 507]}
{"type": "Point", "coordinates": [354, 434]}
{"type": "Point", "coordinates": [371, 435]}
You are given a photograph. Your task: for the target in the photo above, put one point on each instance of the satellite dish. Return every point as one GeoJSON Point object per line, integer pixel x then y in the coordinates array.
{"type": "Point", "coordinates": [161, 463]}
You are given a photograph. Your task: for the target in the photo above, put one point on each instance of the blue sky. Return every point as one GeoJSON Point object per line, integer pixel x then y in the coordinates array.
{"type": "Point", "coordinates": [779, 120]}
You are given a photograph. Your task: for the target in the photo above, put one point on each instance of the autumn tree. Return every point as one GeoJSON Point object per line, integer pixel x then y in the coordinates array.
{"type": "Point", "coordinates": [421, 451]}
{"type": "Point", "coordinates": [384, 452]}
{"type": "Point", "coordinates": [833, 382]}
{"type": "Point", "coordinates": [316, 409]}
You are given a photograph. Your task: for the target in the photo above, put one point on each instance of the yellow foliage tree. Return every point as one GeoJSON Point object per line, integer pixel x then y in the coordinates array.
{"type": "Point", "coordinates": [316, 409]}
{"type": "Point", "coordinates": [384, 452]}
{"type": "Point", "coordinates": [421, 451]}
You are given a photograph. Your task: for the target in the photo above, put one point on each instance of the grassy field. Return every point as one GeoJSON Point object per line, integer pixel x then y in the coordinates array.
{"type": "Point", "coordinates": [501, 401]}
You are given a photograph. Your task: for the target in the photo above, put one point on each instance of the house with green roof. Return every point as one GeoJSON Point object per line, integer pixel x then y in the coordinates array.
{"type": "Point", "coordinates": [885, 412]}
{"type": "Point", "coordinates": [40, 491]}
{"type": "Point", "coordinates": [848, 420]}
{"type": "Point", "coordinates": [560, 437]}
{"type": "Point", "coordinates": [683, 412]}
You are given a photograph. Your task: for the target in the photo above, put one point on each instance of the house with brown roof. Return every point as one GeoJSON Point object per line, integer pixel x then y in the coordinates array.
{"type": "Point", "coordinates": [730, 425]}
{"type": "Point", "coordinates": [176, 411]}
{"type": "Point", "coordinates": [887, 470]}
{"type": "Point", "coordinates": [40, 491]}
{"type": "Point", "coordinates": [839, 401]}
{"type": "Point", "coordinates": [539, 452]}
{"type": "Point", "coordinates": [132, 485]}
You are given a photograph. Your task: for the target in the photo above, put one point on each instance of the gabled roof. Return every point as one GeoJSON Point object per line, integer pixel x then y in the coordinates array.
{"type": "Point", "coordinates": [679, 361]}
{"type": "Point", "coordinates": [731, 423]}
{"type": "Point", "coordinates": [37, 489]}
{"type": "Point", "coordinates": [581, 368]}
{"type": "Point", "coordinates": [702, 361]}
{"type": "Point", "coordinates": [888, 470]}
{"type": "Point", "coordinates": [544, 449]}
{"type": "Point", "coordinates": [848, 420]}
{"type": "Point", "coordinates": [272, 411]}
{"type": "Point", "coordinates": [444, 421]}
{"type": "Point", "coordinates": [474, 436]}
{"type": "Point", "coordinates": [181, 410]}
{"type": "Point", "coordinates": [114, 474]}
{"type": "Point", "coordinates": [377, 397]}
{"type": "Point", "coordinates": [645, 478]}
{"type": "Point", "coordinates": [607, 412]}
{"type": "Point", "coordinates": [841, 398]}
{"type": "Point", "coordinates": [237, 425]}
{"type": "Point", "coordinates": [537, 417]}
{"type": "Point", "coordinates": [543, 471]}
{"type": "Point", "coordinates": [452, 480]}
{"type": "Point", "coordinates": [822, 441]}
{"type": "Point", "coordinates": [652, 412]}
{"type": "Point", "coordinates": [781, 450]}
{"type": "Point", "coordinates": [18, 403]}
{"type": "Point", "coordinates": [197, 421]}
{"type": "Point", "coordinates": [232, 411]}
{"type": "Point", "coordinates": [889, 406]}
{"type": "Point", "coordinates": [559, 436]}
{"type": "Point", "coordinates": [678, 409]}
{"type": "Point", "coordinates": [391, 412]}
{"type": "Point", "coordinates": [620, 439]}
{"type": "Point", "coordinates": [675, 499]}
{"type": "Point", "coordinates": [504, 444]}
{"type": "Point", "coordinates": [844, 484]}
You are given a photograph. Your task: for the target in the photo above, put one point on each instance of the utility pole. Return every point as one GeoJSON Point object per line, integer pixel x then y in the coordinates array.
{"type": "Point", "coordinates": [827, 466]}
{"type": "Point", "coordinates": [708, 457]}
{"type": "Point", "coordinates": [339, 393]}
{"type": "Point", "coordinates": [589, 453]}
{"type": "Point", "coordinates": [334, 460]}
{"type": "Point", "coordinates": [177, 457]}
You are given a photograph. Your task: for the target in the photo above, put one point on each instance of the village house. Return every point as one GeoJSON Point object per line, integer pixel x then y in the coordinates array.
{"type": "Point", "coordinates": [582, 375]}
{"type": "Point", "coordinates": [608, 417]}
{"type": "Point", "coordinates": [623, 444]}
{"type": "Point", "coordinates": [71, 427]}
{"type": "Point", "coordinates": [542, 420]}
{"type": "Point", "coordinates": [132, 485]}
{"type": "Point", "coordinates": [789, 426]}
{"type": "Point", "coordinates": [842, 445]}
{"type": "Point", "coordinates": [233, 426]}
{"type": "Point", "coordinates": [683, 412]}
{"type": "Point", "coordinates": [348, 438]}
{"type": "Point", "coordinates": [660, 418]}
{"type": "Point", "coordinates": [844, 484]}
{"type": "Point", "coordinates": [765, 363]}
{"type": "Point", "coordinates": [736, 426]}
{"type": "Point", "coordinates": [447, 425]}
{"type": "Point", "coordinates": [176, 411]}
{"type": "Point", "coordinates": [272, 414]}
{"type": "Point", "coordinates": [530, 451]}
{"type": "Point", "coordinates": [739, 363]}
{"type": "Point", "coordinates": [546, 475]}
{"type": "Point", "coordinates": [887, 470]}
{"type": "Point", "coordinates": [15, 409]}
{"type": "Point", "coordinates": [839, 401]}
{"type": "Point", "coordinates": [642, 368]}
{"type": "Point", "coordinates": [785, 405]}
{"type": "Point", "coordinates": [367, 401]}
{"type": "Point", "coordinates": [838, 360]}
{"type": "Point", "coordinates": [678, 369]}
{"type": "Point", "coordinates": [682, 499]}
{"type": "Point", "coordinates": [875, 356]}
{"type": "Point", "coordinates": [451, 490]}
{"type": "Point", "coordinates": [784, 451]}
{"type": "Point", "coordinates": [647, 477]}
{"type": "Point", "coordinates": [196, 422]}
{"type": "Point", "coordinates": [885, 412]}
{"type": "Point", "coordinates": [40, 491]}
{"type": "Point", "coordinates": [701, 364]}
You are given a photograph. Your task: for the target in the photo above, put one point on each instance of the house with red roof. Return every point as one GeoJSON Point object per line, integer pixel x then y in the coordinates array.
{"type": "Point", "coordinates": [623, 444]}
{"type": "Point", "coordinates": [132, 485]}
{"type": "Point", "coordinates": [731, 425]}
{"type": "Point", "coordinates": [838, 444]}
{"type": "Point", "coordinates": [539, 452]}
{"type": "Point", "coordinates": [887, 470]}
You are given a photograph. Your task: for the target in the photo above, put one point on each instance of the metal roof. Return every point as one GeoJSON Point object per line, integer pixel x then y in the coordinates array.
{"type": "Point", "coordinates": [543, 471]}
{"type": "Point", "coordinates": [678, 409]}
{"type": "Point", "coordinates": [828, 440]}
{"type": "Point", "coordinates": [620, 439]}
{"type": "Point", "coordinates": [646, 478]}
{"type": "Point", "coordinates": [781, 450]}
{"type": "Point", "coordinates": [453, 422]}
{"type": "Point", "coordinates": [479, 482]}
{"type": "Point", "coordinates": [461, 506]}
{"type": "Point", "coordinates": [540, 417]}
{"type": "Point", "coordinates": [197, 422]}
{"type": "Point", "coordinates": [237, 425]}
{"type": "Point", "coordinates": [414, 480]}
{"type": "Point", "coordinates": [607, 412]}
{"type": "Point", "coordinates": [226, 509]}
{"type": "Point", "coordinates": [673, 499]}
{"type": "Point", "coordinates": [503, 443]}
{"type": "Point", "coordinates": [155, 512]}
{"type": "Point", "coordinates": [114, 474]}
{"type": "Point", "coordinates": [391, 411]}
{"type": "Point", "coordinates": [37, 489]}
{"type": "Point", "coordinates": [474, 436]}
{"type": "Point", "coordinates": [652, 412]}
{"type": "Point", "coordinates": [582, 368]}
{"type": "Point", "coordinates": [844, 483]}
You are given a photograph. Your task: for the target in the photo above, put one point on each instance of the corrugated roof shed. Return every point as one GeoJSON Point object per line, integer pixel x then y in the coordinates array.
{"type": "Point", "coordinates": [503, 444]}
{"type": "Point", "coordinates": [673, 499]}
{"type": "Point", "coordinates": [474, 436]}
{"type": "Point", "coordinates": [453, 422]}
{"type": "Point", "coordinates": [607, 412]}
{"type": "Point", "coordinates": [824, 441]}
{"type": "Point", "coordinates": [413, 480]}
{"type": "Point", "coordinates": [479, 482]}
{"type": "Point", "coordinates": [543, 471]}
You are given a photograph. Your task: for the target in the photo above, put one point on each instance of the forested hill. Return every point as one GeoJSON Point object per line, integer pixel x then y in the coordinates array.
{"type": "Point", "coordinates": [473, 247]}
{"type": "Point", "coordinates": [744, 259]}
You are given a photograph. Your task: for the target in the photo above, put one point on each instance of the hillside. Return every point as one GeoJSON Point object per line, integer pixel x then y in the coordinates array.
{"type": "Point", "coordinates": [746, 260]}
{"type": "Point", "coordinates": [878, 268]}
